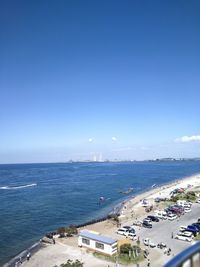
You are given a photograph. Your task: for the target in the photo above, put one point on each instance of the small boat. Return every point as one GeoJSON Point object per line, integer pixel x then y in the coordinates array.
{"type": "Point", "coordinates": [154, 185]}
{"type": "Point", "coordinates": [130, 189]}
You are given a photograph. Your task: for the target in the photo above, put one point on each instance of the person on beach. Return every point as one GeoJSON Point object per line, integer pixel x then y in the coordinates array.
{"type": "Point", "coordinates": [28, 256]}
{"type": "Point", "coordinates": [172, 235]}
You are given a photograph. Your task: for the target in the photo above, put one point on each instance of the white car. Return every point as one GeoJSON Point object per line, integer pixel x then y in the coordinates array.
{"type": "Point", "coordinates": [187, 234]}
{"type": "Point", "coordinates": [182, 237]}
{"type": "Point", "coordinates": [131, 236]}
{"type": "Point", "coordinates": [182, 228]}
{"type": "Point", "coordinates": [187, 210]}
{"type": "Point", "coordinates": [122, 231]}
{"type": "Point", "coordinates": [171, 217]}
{"type": "Point", "coordinates": [198, 201]}
{"type": "Point", "coordinates": [187, 205]}
{"type": "Point", "coordinates": [149, 243]}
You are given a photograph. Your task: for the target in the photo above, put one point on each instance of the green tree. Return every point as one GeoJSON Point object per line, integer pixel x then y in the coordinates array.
{"type": "Point", "coordinates": [125, 248]}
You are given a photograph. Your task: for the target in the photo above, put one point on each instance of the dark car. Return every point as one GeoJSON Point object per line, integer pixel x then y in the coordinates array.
{"type": "Point", "coordinates": [197, 225]}
{"type": "Point", "coordinates": [153, 218]}
{"type": "Point", "coordinates": [131, 231]}
{"type": "Point", "coordinates": [192, 227]}
{"type": "Point", "coordinates": [147, 224]}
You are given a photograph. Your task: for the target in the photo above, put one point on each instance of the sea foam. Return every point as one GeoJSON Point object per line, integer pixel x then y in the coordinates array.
{"type": "Point", "coordinates": [17, 187]}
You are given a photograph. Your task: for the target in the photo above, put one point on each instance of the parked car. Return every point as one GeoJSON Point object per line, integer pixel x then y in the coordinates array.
{"type": "Point", "coordinates": [161, 214]}
{"type": "Point", "coordinates": [176, 206]}
{"type": "Point", "coordinates": [171, 217]}
{"type": "Point", "coordinates": [129, 228]}
{"type": "Point", "coordinates": [131, 235]}
{"type": "Point", "coordinates": [178, 210]}
{"type": "Point", "coordinates": [148, 242]}
{"type": "Point", "coordinates": [190, 228]}
{"type": "Point", "coordinates": [187, 234]}
{"type": "Point", "coordinates": [187, 205]}
{"type": "Point", "coordinates": [187, 209]}
{"type": "Point", "coordinates": [193, 228]}
{"type": "Point", "coordinates": [147, 224]}
{"type": "Point", "coordinates": [184, 203]}
{"type": "Point", "coordinates": [153, 218]}
{"type": "Point", "coordinates": [182, 228]}
{"type": "Point", "coordinates": [147, 220]}
{"type": "Point", "coordinates": [197, 225]}
{"type": "Point", "coordinates": [198, 201]}
{"type": "Point", "coordinates": [182, 237]}
{"type": "Point", "coordinates": [122, 231]}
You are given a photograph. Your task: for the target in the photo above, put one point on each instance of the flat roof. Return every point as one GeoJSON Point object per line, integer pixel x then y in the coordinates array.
{"type": "Point", "coordinates": [100, 238]}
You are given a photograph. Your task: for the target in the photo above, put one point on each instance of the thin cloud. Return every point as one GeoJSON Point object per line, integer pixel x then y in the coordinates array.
{"type": "Point", "coordinates": [187, 139]}
{"type": "Point", "coordinates": [114, 139]}
{"type": "Point", "coordinates": [90, 140]}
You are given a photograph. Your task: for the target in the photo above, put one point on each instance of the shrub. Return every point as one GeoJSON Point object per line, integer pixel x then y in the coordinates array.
{"type": "Point", "coordinates": [71, 230]}
{"type": "Point", "coordinates": [71, 263]}
{"type": "Point", "coordinates": [125, 248]}
{"type": "Point", "coordinates": [61, 230]}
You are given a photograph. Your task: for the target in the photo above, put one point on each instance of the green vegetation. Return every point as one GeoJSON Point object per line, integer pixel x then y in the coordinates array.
{"type": "Point", "coordinates": [71, 263]}
{"type": "Point", "coordinates": [127, 254]}
{"type": "Point", "coordinates": [189, 196]}
{"type": "Point", "coordinates": [197, 237]}
{"type": "Point", "coordinates": [67, 231]}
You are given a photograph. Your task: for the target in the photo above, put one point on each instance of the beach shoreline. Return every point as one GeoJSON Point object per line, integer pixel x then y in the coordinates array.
{"type": "Point", "coordinates": [122, 210]}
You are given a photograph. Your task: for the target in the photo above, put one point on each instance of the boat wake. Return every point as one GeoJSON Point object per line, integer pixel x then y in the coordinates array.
{"type": "Point", "coordinates": [17, 187]}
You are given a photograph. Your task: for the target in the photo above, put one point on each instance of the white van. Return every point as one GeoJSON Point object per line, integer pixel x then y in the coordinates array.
{"type": "Point", "coordinates": [161, 214]}
{"type": "Point", "coordinates": [122, 231]}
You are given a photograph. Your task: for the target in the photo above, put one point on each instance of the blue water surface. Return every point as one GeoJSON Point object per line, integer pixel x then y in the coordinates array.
{"type": "Point", "coordinates": [68, 193]}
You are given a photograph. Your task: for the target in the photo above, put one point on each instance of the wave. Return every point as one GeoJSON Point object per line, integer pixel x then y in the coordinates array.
{"type": "Point", "coordinates": [17, 187]}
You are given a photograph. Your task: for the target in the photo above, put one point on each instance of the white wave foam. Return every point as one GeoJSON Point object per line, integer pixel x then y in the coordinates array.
{"type": "Point", "coordinates": [17, 187]}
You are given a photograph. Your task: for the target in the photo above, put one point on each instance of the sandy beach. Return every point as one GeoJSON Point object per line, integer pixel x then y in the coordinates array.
{"type": "Point", "coordinates": [67, 248]}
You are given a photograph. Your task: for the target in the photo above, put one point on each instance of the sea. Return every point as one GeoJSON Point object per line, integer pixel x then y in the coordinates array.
{"type": "Point", "coordinates": [39, 198]}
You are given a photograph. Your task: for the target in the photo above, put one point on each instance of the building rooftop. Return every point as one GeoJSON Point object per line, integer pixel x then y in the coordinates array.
{"type": "Point", "coordinates": [99, 238]}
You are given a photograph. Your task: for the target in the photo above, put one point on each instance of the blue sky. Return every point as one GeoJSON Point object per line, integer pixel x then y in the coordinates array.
{"type": "Point", "coordinates": [117, 78]}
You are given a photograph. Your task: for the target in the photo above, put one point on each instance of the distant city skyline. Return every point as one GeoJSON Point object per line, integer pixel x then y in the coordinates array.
{"type": "Point", "coordinates": [105, 79]}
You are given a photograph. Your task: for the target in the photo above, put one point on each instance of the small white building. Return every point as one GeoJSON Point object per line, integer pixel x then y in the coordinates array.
{"type": "Point", "coordinates": [97, 242]}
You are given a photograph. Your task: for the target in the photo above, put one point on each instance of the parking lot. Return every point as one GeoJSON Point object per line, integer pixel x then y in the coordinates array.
{"type": "Point", "coordinates": [162, 232]}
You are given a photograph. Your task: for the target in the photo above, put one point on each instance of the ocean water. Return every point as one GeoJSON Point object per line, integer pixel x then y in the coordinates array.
{"type": "Point", "coordinates": [38, 198]}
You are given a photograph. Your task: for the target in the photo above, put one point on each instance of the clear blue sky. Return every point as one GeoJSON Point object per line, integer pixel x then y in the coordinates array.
{"type": "Point", "coordinates": [121, 78]}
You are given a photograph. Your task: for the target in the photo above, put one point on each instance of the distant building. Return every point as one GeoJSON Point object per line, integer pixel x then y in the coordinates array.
{"type": "Point", "coordinates": [97, 242]}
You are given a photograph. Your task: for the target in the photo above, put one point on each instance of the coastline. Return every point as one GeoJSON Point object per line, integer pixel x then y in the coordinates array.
{"type": "Point", "coordinates": [122, 209]}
